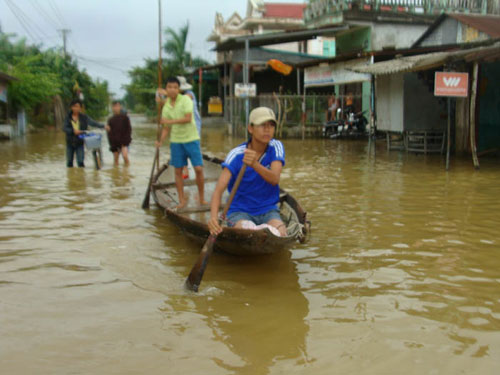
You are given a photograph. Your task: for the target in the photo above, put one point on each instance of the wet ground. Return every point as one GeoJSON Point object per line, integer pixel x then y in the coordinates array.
{"type": "Point", "coordinates": [401, 275]}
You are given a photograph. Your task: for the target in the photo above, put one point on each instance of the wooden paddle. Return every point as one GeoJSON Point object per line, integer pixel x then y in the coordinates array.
{"type": "Point", "coordinates": [194, 279]}
{"type": "Point", "coordinates": [145, 202]}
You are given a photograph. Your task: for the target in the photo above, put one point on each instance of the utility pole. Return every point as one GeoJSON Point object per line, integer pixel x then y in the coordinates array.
{"type": "Point", "coordinates": [64, 33]}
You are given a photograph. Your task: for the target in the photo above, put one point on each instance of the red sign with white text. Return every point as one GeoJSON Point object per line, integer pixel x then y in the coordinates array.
{"type": "Point", "coordinates": [451, 84]}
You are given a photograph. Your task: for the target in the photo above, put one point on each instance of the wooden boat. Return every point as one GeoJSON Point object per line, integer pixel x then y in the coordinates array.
{"type": "Point", "coordinates": [192, 219]}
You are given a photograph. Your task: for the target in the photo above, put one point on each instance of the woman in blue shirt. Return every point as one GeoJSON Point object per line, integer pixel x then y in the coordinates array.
{"type": "Point", "coordinates": [257, 197]}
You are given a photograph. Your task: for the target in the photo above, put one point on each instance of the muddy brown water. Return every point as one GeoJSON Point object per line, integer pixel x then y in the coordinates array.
{"type": "Point", "coordinates": [401, 274]}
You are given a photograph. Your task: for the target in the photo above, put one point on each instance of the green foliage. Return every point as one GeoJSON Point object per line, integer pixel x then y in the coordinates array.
{"type": "Point", "coordinates": [140, 95]}
{"type": "Point", "coordinates": [36, 84]}
{"type": "Point", "coordinates": [175, 47]}
{"type": "Point", "coordinates": [98, 98]}
{"type": "Point", "coordinates": [44, 74]}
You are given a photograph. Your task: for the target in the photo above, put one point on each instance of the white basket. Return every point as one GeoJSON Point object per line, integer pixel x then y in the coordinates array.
{"type": "Point", "coordinates": [93, 141]}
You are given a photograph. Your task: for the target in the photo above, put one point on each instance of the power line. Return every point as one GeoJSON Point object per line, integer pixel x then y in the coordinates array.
{"type": "Point", "coordinates": [104, 65]}
{"type": "Point", "coordinates": [20, 19]}
{"type": "Point", "coordinates": [34, 26]}
{"type": "Point", "coordinates": [45, 15]}
{"type": "Point", "coordinates": [58, 13]}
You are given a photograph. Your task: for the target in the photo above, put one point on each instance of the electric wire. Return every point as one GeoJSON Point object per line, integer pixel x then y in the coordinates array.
{"type": "Point", "coordinates": [28, 21]}
{"type": "Point", "coordinates": [21, 21]}
{"type": "Point", "coordinates": [45, 15]}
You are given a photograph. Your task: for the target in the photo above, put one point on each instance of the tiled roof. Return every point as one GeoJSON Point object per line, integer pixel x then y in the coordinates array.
{"type": "Point", "coordinates": [284, 10]}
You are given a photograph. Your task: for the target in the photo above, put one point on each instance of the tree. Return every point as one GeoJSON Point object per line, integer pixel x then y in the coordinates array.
{"type": "Point", "coordinates": [175, 47]}
{"type": "Point", "coordinates": [140, 92]}
{"type": "Point", "coordinates": [44, 74]}
{"type": "Point", "coordinates": [36, 83]}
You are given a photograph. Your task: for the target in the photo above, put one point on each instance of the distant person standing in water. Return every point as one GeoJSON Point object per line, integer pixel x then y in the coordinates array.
{"type": "Point", "coordinates": [119, 133]}
{"type": "Point", "coordinates": [76, 124]}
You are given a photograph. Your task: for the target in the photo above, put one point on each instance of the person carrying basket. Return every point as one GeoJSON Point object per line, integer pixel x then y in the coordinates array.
{"type": "Point", "coordinates": [76, 124]}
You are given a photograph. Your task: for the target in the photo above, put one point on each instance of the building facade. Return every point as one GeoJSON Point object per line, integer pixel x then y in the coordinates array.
{"type": "Point", "coordinates": [261, 17]}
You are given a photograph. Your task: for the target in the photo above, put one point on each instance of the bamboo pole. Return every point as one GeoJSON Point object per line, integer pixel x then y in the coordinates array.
{"type": "Point", "coordinates": [448, 146]}
{"type": "Point", "coordinates": [158, 119]}
{"type": "Point", "coordinates": [472, 114]}
{"type": "Point", "coordinates": [304, 115]}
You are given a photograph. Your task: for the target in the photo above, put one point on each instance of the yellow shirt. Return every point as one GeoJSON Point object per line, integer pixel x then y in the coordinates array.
{"type": "Point", "coordinates": [75, 124]}
{"type": "Point", "coordinates": [181, 133]}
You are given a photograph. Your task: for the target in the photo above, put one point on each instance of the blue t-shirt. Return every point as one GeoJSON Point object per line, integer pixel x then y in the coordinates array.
{"type": "Point", "coordinates": [254, 196]}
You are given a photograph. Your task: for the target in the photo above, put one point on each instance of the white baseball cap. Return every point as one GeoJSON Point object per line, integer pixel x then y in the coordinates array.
{"type": "Point", "coordinates": [260, 115]}
{"type": "Point", "coordinates": [184, 85]}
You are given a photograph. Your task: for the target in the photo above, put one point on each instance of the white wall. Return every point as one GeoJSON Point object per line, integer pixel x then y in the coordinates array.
{"type": "Point", "coordinates": [289, 47]}
{"type": "Point", "coordinates": [389, 102]}
{"type": "Point", "coordinates": [395, 35]}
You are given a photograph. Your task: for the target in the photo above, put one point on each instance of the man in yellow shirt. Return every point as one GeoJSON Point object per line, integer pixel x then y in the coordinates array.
{"type": "Point", "coordinates": [178, 120]}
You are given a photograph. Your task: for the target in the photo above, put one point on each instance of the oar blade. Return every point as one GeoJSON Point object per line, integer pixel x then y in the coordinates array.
{"type": "Point", "coordinates": [193, 281]}
{"type": "Point", "coordinates": [145, 202]}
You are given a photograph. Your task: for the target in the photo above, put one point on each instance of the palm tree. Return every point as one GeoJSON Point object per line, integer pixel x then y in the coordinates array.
{"type": "Point", "coordinates": [175, 47]}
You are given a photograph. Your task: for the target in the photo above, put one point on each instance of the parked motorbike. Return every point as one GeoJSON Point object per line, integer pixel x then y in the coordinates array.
{"type": "Point", "coordinates": [352, 124]}
{"type": "Point", "coordinates": [357, 122]}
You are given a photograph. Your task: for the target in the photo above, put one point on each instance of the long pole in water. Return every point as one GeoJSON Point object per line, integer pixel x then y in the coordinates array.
{"type": "Point", "coordinates": [156, 161]}
{"type": "Point", "coordinates": [448, 147]}
{"type": "Point", "coordinates": [246, 79]}
{"type": "Point", "coordinates": [158, 120]}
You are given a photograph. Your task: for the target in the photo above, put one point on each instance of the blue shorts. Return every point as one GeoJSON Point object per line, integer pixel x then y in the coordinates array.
{"type": "Point", "coordinates": [180, 152]}
{"type": "Point", "coordinates": [234, 217]}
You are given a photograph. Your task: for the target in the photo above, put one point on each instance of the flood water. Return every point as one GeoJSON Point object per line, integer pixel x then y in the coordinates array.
{"type": "Point", "coordinates": [401, 274]}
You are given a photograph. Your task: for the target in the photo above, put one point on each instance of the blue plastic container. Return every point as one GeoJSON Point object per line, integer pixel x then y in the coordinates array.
{"type": "Point", "coordinates": [92, 141]}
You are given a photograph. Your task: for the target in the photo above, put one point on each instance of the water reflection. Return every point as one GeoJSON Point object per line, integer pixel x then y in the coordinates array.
{"type": "Point", "coordinates": [121, 182]}
{"type": "Point", "coordinates": [261, 317]}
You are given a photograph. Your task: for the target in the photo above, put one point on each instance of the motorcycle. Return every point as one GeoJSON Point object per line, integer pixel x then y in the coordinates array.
{"type": "Point", "coordinates": [353, 124]}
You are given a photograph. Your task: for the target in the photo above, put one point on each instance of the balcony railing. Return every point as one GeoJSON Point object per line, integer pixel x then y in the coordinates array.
{"type": "Point", "coordinates": [319, 8]}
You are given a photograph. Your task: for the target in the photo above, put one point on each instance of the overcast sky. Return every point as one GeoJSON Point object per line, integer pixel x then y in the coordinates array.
{"type": "Point", "coordinates": [111, 36]}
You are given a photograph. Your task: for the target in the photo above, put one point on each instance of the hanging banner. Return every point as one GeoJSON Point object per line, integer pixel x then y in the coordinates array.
{"type": "Point", "coordinates": [451, 84]}
{"type": "Point", "coordinates": [335, 74]}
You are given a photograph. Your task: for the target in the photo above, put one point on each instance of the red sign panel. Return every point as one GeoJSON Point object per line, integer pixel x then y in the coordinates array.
{"type": "Point", "coordinates": [451, 84]}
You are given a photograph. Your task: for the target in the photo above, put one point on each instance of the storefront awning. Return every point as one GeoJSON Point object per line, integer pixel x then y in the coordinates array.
{"type": "Point", "coordinates": [429, 60]}
{"type": "Point", "coordinates": [335, 74]}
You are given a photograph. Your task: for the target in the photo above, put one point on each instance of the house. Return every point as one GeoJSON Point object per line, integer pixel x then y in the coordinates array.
{"type": "Point", "coordinates": [406, 103]}
{"type": "Point", "coordinates": [261, 17]}
{"type": "Point", "coordinates": [405, 27]}
{"type": "Point", "coordinates": [467, 29]}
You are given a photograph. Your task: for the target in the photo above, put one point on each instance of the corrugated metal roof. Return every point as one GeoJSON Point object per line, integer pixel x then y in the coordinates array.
{"type": "Point", "coordinates": [402, 64]}
{"type": "Point", "coordinates": [429, 60]}
{"type": "Point", "coordinates": [487, 24]}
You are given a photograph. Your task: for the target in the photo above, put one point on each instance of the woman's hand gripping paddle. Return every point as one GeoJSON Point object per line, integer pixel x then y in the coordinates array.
{"type": "Point", "coordinates": [194, 279]}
